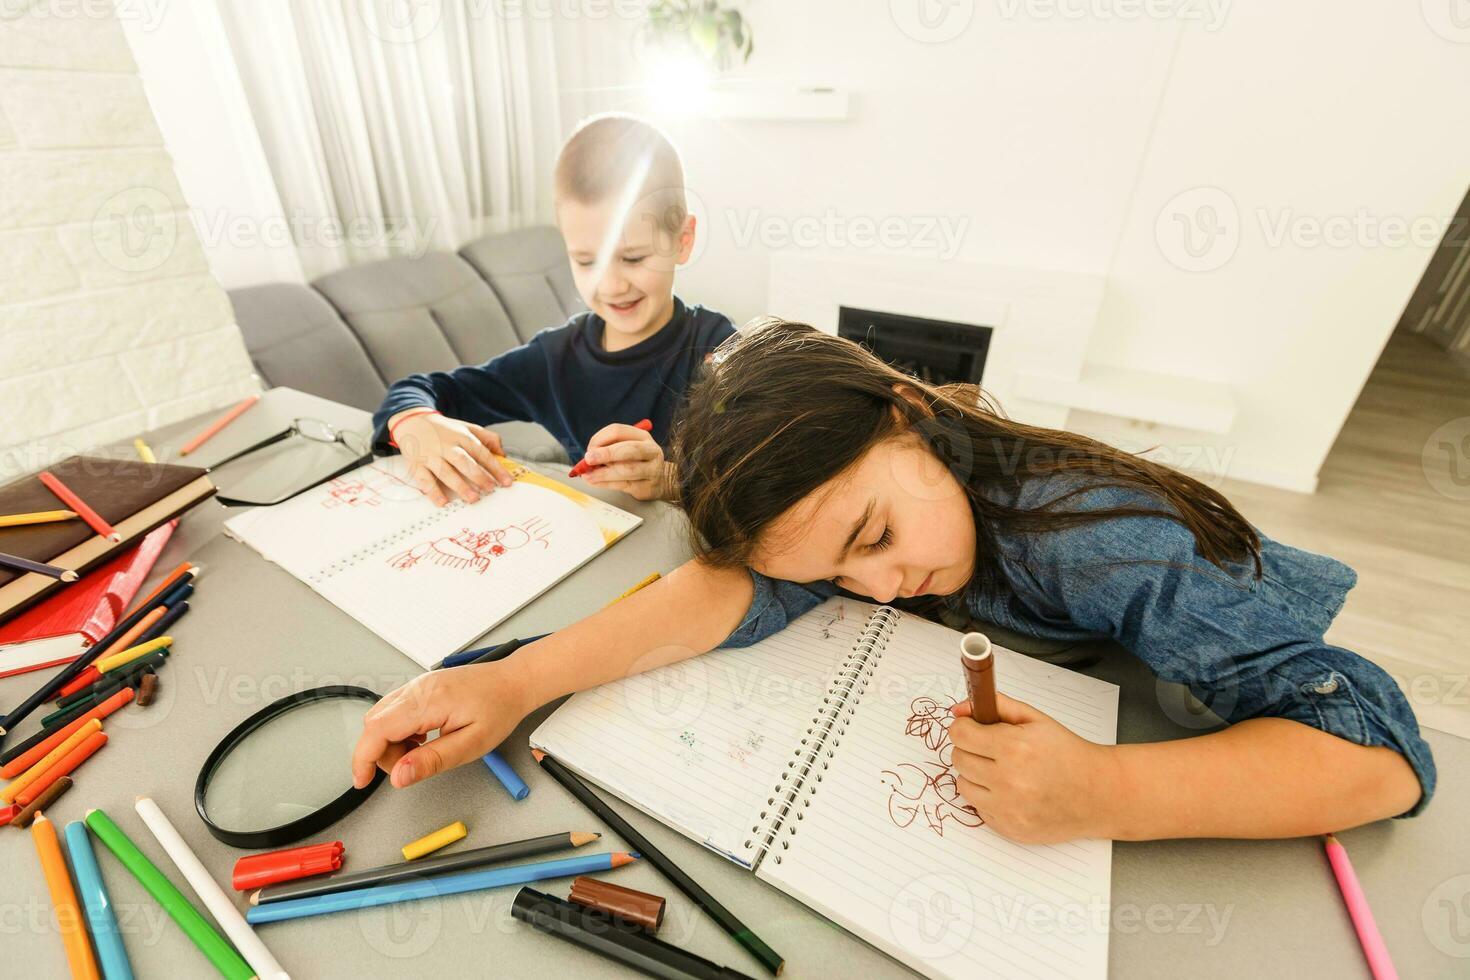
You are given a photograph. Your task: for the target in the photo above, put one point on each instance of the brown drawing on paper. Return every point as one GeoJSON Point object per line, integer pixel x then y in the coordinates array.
{"type": "Point", "coordinates": [368, 487]}
{"type": "Point", "coordinates": [475, 550]}
{"type": "Point", "coordinates": [928, 787]}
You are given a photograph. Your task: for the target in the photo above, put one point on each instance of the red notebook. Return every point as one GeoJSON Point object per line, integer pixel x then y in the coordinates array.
{"type": "Point", "coordinates": [59, 629]}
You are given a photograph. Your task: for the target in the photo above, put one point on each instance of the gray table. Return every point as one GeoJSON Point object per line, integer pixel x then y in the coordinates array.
{"type": "Point", "coordinates": [1206, 908]}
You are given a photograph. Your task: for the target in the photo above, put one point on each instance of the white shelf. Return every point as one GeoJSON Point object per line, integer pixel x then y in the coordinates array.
{"type": "Point", "coordinates": [814, 104]}
{"type": "Point", "coordinates": [1185, 403]}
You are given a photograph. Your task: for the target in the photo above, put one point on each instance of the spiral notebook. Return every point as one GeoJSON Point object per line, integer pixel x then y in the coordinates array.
{"type": "Point", "coordinates": [431, 579]}
{"type": "Point", "coordinates": [820, 759]}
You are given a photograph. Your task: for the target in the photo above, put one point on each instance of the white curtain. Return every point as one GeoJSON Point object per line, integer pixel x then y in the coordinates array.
{"type": "Point", "coordinates": [396, 126]}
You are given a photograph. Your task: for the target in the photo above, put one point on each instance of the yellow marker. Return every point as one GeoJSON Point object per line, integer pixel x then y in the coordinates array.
{"type": "Point", "coordinates": [19, 783]}
{"type": "Point", "coordinates": [641, 585]}
{"type": "Point", "coordinates": [431, 843]}
{"type": "Point", "coordinates": [39, 517]}
{"type": "Point", "coordinates": [144, 453]}
{"type": "Point", "coordinates": [115, 660]}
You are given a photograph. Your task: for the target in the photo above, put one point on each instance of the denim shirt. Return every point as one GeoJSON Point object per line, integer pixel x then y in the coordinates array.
{"type": "Point", "coordinates": [1246, 647]}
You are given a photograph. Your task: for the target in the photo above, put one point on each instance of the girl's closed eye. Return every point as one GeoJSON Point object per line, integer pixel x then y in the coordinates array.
{"type": "Point", "coordinates": [884, 541]}
{"type": "Point", "coordinates": [634, 259]}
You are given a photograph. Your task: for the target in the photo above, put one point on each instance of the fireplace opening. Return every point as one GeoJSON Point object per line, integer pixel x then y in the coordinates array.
{"type": "Point", "coordinates": [934, 351]}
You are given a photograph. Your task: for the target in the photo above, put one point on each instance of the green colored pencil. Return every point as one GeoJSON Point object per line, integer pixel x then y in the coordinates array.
{"type": "Point", "coordinates": [195, 926]}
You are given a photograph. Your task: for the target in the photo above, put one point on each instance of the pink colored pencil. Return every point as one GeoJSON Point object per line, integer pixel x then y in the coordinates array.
{"type": "Point", "coordinates": [1374, 950]}
{"type": "Point", "coordinates": [65, 495]}
{"type": "Point", "coordinates": [213, 428]}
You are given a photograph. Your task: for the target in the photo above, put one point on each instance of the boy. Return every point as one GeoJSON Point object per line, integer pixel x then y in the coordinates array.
{"type": "Point", "coordinates": [620, 205]}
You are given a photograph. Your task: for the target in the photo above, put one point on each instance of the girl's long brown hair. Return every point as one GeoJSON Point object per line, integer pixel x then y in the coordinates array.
{"type": "Point", "coordinates": [784, 408]}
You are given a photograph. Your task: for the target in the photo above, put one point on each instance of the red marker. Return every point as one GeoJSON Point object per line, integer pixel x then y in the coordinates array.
{"type": "Point", "coordinates": [584, 466]}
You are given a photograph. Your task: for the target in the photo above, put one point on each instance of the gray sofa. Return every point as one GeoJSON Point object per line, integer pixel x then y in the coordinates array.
{"type": "Point", "coordinates": [350, 334]}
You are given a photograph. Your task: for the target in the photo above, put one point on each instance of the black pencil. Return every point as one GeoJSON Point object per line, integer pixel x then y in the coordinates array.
{"type": "Point", "coordinates": [768, 957]}
{"type": "Point", "coordinates": [443, 864]}
{"type": "Point", "coordinates": [626, 944]}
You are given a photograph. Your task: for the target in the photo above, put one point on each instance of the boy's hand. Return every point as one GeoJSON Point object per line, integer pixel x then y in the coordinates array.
{"type": "Point", "coordinates": [628, 459]}
{"type": "Point", "coordinates": [448, 457]}
{"type": "Point", "coordinates": [473, 708]}
{"type": "Point", "coordinates": [1030, 777]}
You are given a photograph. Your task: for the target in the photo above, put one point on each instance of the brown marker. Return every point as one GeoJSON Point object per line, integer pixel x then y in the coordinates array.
{"type": "Point", "coordinates": [42, 802]}
{"type": "Point", "coordinates": [638, 908]}
{"type": "Point", "coordinates": [147, 690]}
{"type": "Point", "coordinates": [979, 663]}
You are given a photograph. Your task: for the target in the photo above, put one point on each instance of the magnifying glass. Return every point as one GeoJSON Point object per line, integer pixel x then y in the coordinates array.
{"type": "Point", "coordinates": [285, 772]}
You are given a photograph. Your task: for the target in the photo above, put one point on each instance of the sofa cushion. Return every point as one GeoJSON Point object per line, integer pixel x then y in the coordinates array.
{"type": "Point", "coordinates": [432, 313]}
{"type": "Point", "coordinates": [528, 271]}
{"type": "Point", "coordinates": [297, 340]}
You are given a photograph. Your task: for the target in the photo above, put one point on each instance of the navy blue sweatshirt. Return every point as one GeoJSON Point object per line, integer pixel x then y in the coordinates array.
{"type": "Point", "coordinates": [567, 382]}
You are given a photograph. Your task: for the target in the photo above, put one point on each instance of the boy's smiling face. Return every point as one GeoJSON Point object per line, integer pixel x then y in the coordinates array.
{"type": "Point", "coordinates": [623, 265]}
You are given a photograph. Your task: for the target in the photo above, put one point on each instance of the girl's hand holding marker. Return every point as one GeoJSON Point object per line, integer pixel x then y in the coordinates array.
{"type": "Point", "coordinates": [449, 458]}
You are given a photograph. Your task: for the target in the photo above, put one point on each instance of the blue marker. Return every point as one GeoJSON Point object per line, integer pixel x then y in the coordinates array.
{"type": "Point", "coordinates": [484, 655]}
{"type": "Point", "coordinates": [513, 784]}
{"type": "Point", "coordinates": [111, 954]}
{"type": "Point", "coordinates": [408, 891]}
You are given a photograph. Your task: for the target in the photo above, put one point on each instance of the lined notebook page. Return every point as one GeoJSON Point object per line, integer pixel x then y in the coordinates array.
{"type": "Point", "coordinates": [702, 744]}
{"type": "Point", "coordinates": [429, 579]}
{"type": "Point", "coordinates": [881, 848]}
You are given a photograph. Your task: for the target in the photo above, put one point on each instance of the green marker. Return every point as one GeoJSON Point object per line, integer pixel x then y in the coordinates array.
{"type": "Point", "coordinates": [195, 926]}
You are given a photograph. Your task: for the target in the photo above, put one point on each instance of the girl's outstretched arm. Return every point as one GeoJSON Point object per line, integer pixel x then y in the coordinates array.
{"type": "Point", "coordinates": [688, 612]}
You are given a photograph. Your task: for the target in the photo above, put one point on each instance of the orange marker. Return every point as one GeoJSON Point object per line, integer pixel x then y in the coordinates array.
{"type": "Point", "coordinates": [584, 466]}
{"type": "Point", "coordinates": [33, 775]}
{"type": "Point", "coordinates": [219, 423]}
{"type": "Point", "coordinates": [35, 754]}
{"type": "Point", "coordinates": [66, 496]}
{"type": "Point", "coordinates": [65, 767]}
{"type": "Point", "coordinates": [63, 899]}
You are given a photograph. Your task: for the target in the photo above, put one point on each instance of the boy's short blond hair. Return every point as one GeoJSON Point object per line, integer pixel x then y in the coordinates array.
{"type": "Point", "coordinates": [607, 153]}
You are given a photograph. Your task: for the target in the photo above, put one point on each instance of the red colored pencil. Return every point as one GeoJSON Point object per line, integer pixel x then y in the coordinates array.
{"type": "Point", "coordinates": [219, 423]}
{"type": "Point", "coordinates": [64, 766]}
{"type": "Point", "coordinates": [66, 496]}
{"type": "Point", "coordinates": [584, 467]}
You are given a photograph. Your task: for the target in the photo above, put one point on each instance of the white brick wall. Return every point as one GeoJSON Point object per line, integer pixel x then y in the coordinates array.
{"type": "Point", "coordinates": [110, 322]}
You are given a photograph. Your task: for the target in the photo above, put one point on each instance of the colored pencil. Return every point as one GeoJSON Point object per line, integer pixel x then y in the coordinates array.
{"type": "Point", "coordinates": [64, 766]}
{"type": "Point", "coordinates": [643, 584]}
{"type": "Point", "coordinates": [585, 467]}
{"type": "Point", "coordinates": [102, 665]}
{"type": "Point", "coordinates": [169, 581]}
{"type": "Point", "coordinates": [43, 802]}
{"type": "Point", "coordinates": [36, 517]}
{"type": "Point", "coordinates": [429, 843]}
{"type": "Point", "coordinates": [195, 926]}
{"type": "Point", "coordinates": [59, 752]}
{"type": "Point", "coordinates": [39, 567]}
{"type": "Point", "coordinates": [173, 612]}
{"type": "Point", "coordinates": [36, 747]}
{"type": "Point", "coordinates": [214, 898]}
{"type": "Point", "coordinates": [1380, 964]}
{"type": "Point", "coordinates": [507, 776]}
{"type": "Point", "coordinates": [129, 675]}
{"type": "Point", "coordinates": [69, 497]}
{"type": "Point", "coordinates": [213, 428]}
{"type": "Point", "coordinates": [63, 900]}
{"type": "Point", "coordinates": [105, 708]}
{"type": "Point", "coordinates": [726, 919]}
{"type": "Point", "coordinates": [424, 867]}
{"type": "Point", "coordinates": [98, 904]}
{"type": "Point", "coordinates": [408, 891]}
{"type": "Point", "coordinates": [9, 813]}
{"type": "Point", "coordinates": [625, 944]}
{"type": "Point", "coordinates": [37, 752]}
{"type": "Point", "coordinates": [144, 452]}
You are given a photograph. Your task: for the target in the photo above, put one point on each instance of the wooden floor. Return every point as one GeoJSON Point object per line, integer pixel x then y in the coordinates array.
{"type": "Point", "coordinates": [1377, 509]}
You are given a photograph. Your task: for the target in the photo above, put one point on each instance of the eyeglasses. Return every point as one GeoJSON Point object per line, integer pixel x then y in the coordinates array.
{"type": "Point", "coordinates": [312, 430]}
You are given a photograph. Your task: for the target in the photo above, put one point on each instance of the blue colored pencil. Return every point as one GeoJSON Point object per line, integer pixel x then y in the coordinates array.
{"type": "Point", "coordinates": [40, 567]}
{"type": "Point", "coordinates": [111, 954]}
{"type": "Point", "coordinates": [408, 891]}
{"type": "Point", "coordinates": [514, 785]}
{"type": "Point", "coordinates": [467, 657]}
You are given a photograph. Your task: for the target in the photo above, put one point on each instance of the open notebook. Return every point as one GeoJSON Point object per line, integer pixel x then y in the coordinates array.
{"type": "Point", "coordinates": [819, 757]}
{"type": "Point", "coordinates": [430, 579]}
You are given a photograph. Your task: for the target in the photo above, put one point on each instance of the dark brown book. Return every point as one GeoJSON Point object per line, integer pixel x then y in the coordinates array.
{"type": "Point", "coordinates": [132, 496]}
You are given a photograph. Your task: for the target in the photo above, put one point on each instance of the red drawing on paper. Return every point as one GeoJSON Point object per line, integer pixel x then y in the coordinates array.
{"type": "Point", "coordinates": [368, 487]}
{"type": "Point", "coordinates": [475, 550]}
{"type": "Point", "coordinates": [928, 787]}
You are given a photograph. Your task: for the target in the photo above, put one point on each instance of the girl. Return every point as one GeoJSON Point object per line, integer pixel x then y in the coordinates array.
{"type": "Point", "coordinates": [806, 465]}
